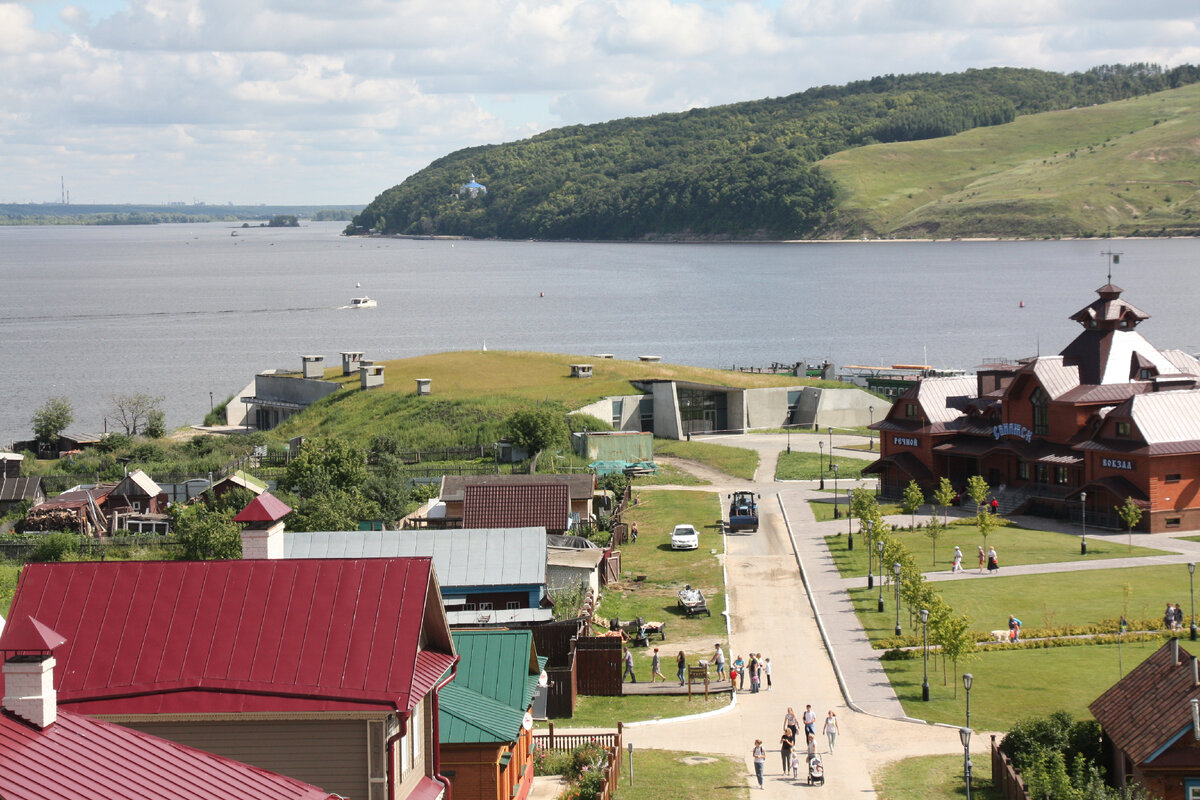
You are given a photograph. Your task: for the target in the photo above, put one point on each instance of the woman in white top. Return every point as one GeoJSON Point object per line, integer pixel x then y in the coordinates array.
{"type": "Point", "coordinates": [760, 761]}
{"type": "Point", "coordinates": [831, 729]}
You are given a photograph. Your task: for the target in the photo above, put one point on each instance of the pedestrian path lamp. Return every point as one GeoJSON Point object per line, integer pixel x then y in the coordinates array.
{"type": "Point", "coordinates": [1192, 591]}
{"type": "Point", "coordinates": [964, 735]}
{"type": "Point", "coordinates": [834, 467]}
{"type": "Point", "coordinates": [925, 654]}
{"type": "Point", "coordinates": [1083, 523]}
{"type": "Point", "coordinates": [821, 445]}
{"type": "Point", "coordinates": [879, 548]}
{"type": "Point", "coordinates": [871, 433]}
{"type": "Point", "coordinates": [850, 524]}
{"type": "Point", "coordinates": [968, 679]}
{"type": "Point", "coordinates": [896, 572]}
{"type": "Point", "coordinates": [789, 435]}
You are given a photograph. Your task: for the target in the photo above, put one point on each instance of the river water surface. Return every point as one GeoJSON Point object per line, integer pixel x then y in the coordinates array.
{"type": "Point", "coordinates": [184, 310]}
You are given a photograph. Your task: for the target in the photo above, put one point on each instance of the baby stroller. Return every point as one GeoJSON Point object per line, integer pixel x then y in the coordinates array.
{"type": "Point", "coordinates": [816, 770]}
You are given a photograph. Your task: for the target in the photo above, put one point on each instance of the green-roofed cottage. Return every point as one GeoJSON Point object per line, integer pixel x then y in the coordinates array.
{"type": "Point", "coordinates": [484, 719]}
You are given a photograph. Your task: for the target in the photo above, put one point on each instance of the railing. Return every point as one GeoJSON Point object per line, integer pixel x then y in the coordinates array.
{"type": "Point", "coordinates": [569, 741]}
{"type": "Point", "coordinates": [1005, 776]}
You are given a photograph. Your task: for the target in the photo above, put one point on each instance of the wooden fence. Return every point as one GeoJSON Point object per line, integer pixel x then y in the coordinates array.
{"type": "Point", "coordinates": [1005, 776]}
{"type": "Point", "coordinates": [611, 742]}
{"type": "Point", "coordinates": [598, 665]}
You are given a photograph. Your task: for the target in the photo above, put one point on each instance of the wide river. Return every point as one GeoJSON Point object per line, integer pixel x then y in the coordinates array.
{"type": "Point", "coordinates": [184, 310]}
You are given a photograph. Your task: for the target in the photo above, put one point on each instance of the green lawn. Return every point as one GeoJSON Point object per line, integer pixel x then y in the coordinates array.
{"type": "Point", "coordinates": [659, 774]}
{"type": "Point", "coordinates": [669, 475]}
{"type": "Point", "coordinates": [823, 512]}
{"type": "Point", "coordinates": [605, 712]}
{"type": "Point", "coordinates": [1013, 684]}
{"type": "Point", "coordinates": [1013, 545]}
{"type": "Point", "coordinates": [667, 571]}
{"type": "Point", "coordinates": [1040, 601]}
{"type": "Point", "coordinates": [935, 778]}
{"type": "Point", "coordinates": [798, 466]}
{"type": "Point", "coordinates": [736, 461]}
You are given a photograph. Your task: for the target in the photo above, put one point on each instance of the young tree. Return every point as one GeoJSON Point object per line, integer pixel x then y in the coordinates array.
{"type": "Point", "coordinates": [538, 429]}
{"type": "Point", "coordinates": [206, 533]}
{"type": "Point", "coordinates": [944, 496]}
{"type": "Point", "coordinates": [953, 634]}
{"type": "Point", "coordinates": [1130, 514]}
{"type": "Point", "coordinates": [326, 465]}
{"type": "Point", "coordinates": [977, 490]}
{"type": "Point", "coordinates": [133, 412]}
{"type": "Point", "coordinates": [52, 419]}
{"type": "Point", "coordinates": [912, 501]}
{"type": "Point", "coordinates": [933, 530]}
{"type": "Point", "coordinates": [987, 523]}
{"type": "Point", "coordinates": [156, 424]}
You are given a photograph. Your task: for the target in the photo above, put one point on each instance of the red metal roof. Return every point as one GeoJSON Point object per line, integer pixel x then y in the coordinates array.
{"type": "Point", "coordinates": [264, 508]}
{"type": "Point", "coordinates": [546, 505]}
{"type": "Point", "coordinates": [314, 634]}
{"type": "Point", "coordinates": [79, 758]}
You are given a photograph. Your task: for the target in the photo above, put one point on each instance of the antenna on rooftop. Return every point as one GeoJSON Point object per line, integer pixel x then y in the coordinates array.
{"type": "Point", "coordinates": [1113, 258]}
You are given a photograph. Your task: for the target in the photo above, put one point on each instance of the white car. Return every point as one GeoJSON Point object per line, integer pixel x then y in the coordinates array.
{"type": "Point", "coordinates": [684, 537]}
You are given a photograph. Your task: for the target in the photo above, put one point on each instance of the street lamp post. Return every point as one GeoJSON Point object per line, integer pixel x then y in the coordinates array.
{"type": "Point", "coordinates": [1083, 523]}
{"type": "Point", "coordinates": [1192, 591]}
{"type": "Point", "coordinates": [968, 679]}
{"type": "Point", "coordinates": [789, 435]}
{"type": "Point", "coordinates": [830, 444]}
{"type": "Point", "coordinates": [821, 445]}
{"type": "Point", "coordinates": [896, 572]}
{"type": "Point", "coordinates": [871, 433]}
{"type": "Point", "coordinates": [925, 654]}
{"type": "Point", "coordinates": [964, 736]}
{"type": "Point", "coordinates": [879, 548]}
{"type": "Point", "coordinates": [211, 407]}
{"type": "Point", "coordinates": [850, 520]}
{"type": "Point", "coordinates": [834, 467]}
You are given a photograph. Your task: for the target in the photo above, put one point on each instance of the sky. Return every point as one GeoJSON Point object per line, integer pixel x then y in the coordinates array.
{"type": "Point", "coordinates": [334, 101]}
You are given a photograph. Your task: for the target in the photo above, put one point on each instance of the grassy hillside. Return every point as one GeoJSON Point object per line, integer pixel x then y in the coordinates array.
{"type": "Point", "coordinates": [1125, 168]}
{"type": "Point", "coordinates": [474, 391]}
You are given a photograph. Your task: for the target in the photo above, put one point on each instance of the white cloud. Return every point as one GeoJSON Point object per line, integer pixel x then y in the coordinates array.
{"type": "Point", "coordinates": [324, 101]}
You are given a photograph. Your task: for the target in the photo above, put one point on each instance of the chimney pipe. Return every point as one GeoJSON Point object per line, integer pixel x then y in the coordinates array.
{"type": "Point", "coordinates": [29, 689]}
{"type": "Point", "coordinates": [1195, 671]}
{"type": "Point", "coordinates": [1196, 720]}
{"type": "Point", "coordinates": [1175, 652]}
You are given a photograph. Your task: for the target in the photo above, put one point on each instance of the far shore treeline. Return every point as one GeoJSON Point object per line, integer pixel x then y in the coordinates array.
{"type": "Point", "coordinates": [740, 171]}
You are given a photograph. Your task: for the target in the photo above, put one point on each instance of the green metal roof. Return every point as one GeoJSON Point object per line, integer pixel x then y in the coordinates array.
{"type": "Point", "coordinates": [497, 678]}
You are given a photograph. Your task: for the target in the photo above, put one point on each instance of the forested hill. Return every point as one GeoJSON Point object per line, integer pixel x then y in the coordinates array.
{"type": "Point", "coordinates": [739, 171]}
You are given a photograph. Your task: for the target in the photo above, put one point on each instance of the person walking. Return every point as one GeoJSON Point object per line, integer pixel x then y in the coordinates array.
{"type": "Point", "coordinates": [810, 721]}
{"type": "Point", "coordinates": [681, 666]}
{"type": "Point", "coordinates": [786, 742]}
{"type": "Point", "coordinates": [633, 533]}
{"type": "Point", "coordinates": [982, 559]}
{"type": "Point", "coordinates": [656, 668]}
{"type": "Point", "coordinates": [767, 670]}
{"type": "Point", "coordinates": [1014, 629]}
{"type": "Point", "coordinates": [719, 660]}
{"type": "Point", "coordinates": [831, 728]}
{"type": "Point", "coordinates": [812, 745]}
{"type": "Point", "coordinates": [1169, 618]}
{"type": "Point", "coordinates": [993, 563]}
{"type": "Point", "coordinates": [628, 667]}
{"type": "Point", "coordinates": [957, 561]}
{"type": "Point", "coordinates": [1178, 617]}
{"type": "Point", "coordinates": [791, 723]}
{"type": "Point", "coordinates": [760, 761]}
{"type": "Point", "coordinates": [739, 666]}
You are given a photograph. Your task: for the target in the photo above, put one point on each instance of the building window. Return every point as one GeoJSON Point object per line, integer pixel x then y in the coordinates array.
{"type": "Point", "coordinates": [1041, 411]}
{"type": "Point", "coordinates": [910, 409]}
{"type": "Point", "coordinates": [1174, 477]}
{"type": "Point", "coordinates": [376, 760]}
{"type": "Point", "coordinates": [1060, 475]}
{"type": "Point", "coordinates": [512, 605]}
{"type": "Point", "coordinates": [1173, 522]}
{"type": "Point", "coordinates": [485, 606]}
{"type": "Point", "coordinates": [1123, 429]}
{"type": "Point", "coordinates": [1023, 470]}
{"type": "Point", "coordinates": [618, 409]}
{"type": "Point", "coordinates": [468, 606]}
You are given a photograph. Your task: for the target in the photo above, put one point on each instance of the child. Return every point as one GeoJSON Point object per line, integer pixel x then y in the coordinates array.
{"type": "Point", "coordinates": [795, 765]}
{"type": "Point", "coordinates": [767, 670]}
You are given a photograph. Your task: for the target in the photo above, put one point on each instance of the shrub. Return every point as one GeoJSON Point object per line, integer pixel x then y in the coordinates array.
{"type": "Point", "coordinates": [54, 547]}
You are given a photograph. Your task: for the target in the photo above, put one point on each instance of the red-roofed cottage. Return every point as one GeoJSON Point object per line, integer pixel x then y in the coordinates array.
{"type": "Point", "coordinates": [323, 670]}
{"type": "Point", "coordinates": [48, 754]}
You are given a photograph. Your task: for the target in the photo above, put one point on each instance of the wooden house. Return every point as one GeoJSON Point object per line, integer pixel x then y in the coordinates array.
{"type": "Point", "coordinates": [1151, 724]}
{"type": "Point", "coordinates": [14, 490]}
{"type": "Point", "coordinates": [495, 504]}
{"type": "Point", "coordinates": [327, 671]}
{"type": "Point", "coordinates": [55, 754]}
{"type": "Point", "coordinates": [486, 725]}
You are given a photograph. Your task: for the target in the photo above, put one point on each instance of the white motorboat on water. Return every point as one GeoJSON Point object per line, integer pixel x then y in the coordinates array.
{"type": "Point", "coordinates": [361, 302]}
